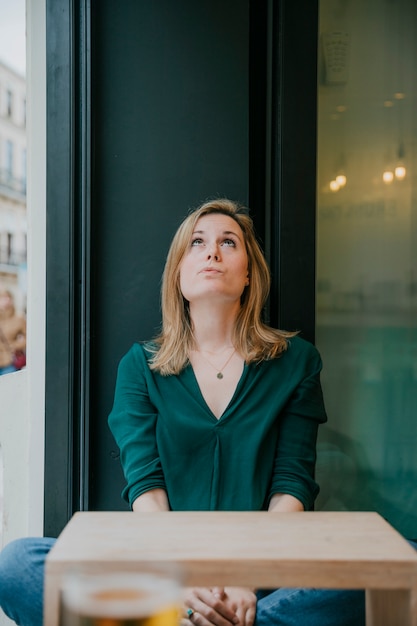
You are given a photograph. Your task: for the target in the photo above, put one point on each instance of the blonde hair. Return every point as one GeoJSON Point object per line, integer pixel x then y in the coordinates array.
{"type": "Point", "coordinates": [253, 339]}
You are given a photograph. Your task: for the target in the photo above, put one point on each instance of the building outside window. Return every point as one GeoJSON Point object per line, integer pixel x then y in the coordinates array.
{"type": "Point", "coordinates": [23, 176]}
{"type": "Point", "coordinates": [9, 159]}
{"type": "Point", "coordinates": [13, 250]}
{"type": "Point", "coordinates": [9, 103]}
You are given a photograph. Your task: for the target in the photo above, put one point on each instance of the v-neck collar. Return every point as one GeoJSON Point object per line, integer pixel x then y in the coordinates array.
{"type": "Point", "coordinates": [188, 372]}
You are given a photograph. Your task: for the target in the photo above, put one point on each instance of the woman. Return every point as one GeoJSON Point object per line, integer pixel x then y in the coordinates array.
{"type": "Point", "coordinates": [221, 412]}
{"type": "Point", "coordinates": [12, 333]}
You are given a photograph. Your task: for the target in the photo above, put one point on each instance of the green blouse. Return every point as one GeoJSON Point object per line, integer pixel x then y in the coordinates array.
{"type": "Point", "coordinates": [264, 443]}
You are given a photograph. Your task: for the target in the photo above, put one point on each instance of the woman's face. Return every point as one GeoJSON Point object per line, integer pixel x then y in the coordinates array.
{"type": "Point", "coordinates": [5, 301]}
{"type": "Point", "coordinates": [215, 264]}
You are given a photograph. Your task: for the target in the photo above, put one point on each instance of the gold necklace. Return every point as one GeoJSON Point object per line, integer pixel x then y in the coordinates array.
{"type": "Point", "coordinates": [219, 371]}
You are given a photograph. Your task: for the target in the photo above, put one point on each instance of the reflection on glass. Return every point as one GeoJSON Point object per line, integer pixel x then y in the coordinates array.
{"type": "Point", "coordinates": [13, 224]}
{"type": "Point", "coordinates": [367, 257]}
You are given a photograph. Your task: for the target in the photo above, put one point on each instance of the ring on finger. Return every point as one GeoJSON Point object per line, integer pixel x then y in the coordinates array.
{"type": "Point", "coordinates": [190, 613]}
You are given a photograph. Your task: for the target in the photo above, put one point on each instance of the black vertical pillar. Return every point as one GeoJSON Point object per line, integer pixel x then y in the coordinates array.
{"type": "Point", "coordinates": [292, 159]}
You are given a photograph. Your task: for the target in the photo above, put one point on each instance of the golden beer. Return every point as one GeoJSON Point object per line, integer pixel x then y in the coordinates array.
{"type": "Point", "coordinates": [120, 599]}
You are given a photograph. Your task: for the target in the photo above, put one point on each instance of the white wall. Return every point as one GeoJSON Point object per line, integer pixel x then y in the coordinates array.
{"type": "Point", "coordinates": [36, 207]}
{"type": "Point", "coordinates": [14, 441]}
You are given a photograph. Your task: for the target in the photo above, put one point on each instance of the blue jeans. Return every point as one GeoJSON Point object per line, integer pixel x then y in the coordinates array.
{"type": "Point", "coordinates": [21, 579]}
{"type": "Point", "coordinates": [21, 594]}
{"type": "Point", "coordinates": [7, 370]}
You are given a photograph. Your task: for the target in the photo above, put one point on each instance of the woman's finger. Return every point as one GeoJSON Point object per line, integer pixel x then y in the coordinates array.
{"type": "Point", "coordinates": [204, 614]}
{"type": "Point", "coordinates": [246, 616]}
{"type": "Point", "coordinates": [208, 617]}
{"type": "Point", "coordinates": [218, 605]}
{"type": "Point", "coordinates": [203, 608]}
{"type": "Point", "coordinates": [218, 592]}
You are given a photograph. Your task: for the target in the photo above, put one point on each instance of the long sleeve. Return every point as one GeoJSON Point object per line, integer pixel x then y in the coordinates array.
{"type": "Point", "coordinates": [295, 457]}
{"type": "Point", "coordinates": [132, 422]}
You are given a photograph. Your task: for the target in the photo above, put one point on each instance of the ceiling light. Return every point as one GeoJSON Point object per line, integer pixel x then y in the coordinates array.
{"type": "Point", "coordinates": [400, 172]}
{"type": "Point", "coordinates": [388, 177]}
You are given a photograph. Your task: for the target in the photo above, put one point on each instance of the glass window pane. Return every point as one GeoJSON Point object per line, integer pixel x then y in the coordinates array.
{"type": "Point", "coordinates": [367, 257]}
{"type": "Point", "coordinates": [13, 221]}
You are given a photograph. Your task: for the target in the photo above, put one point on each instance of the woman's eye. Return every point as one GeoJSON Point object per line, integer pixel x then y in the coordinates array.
{"type": "Point", "coordinates": [197, 241]}
{"type": "Point", "coordinates": [229, 242]}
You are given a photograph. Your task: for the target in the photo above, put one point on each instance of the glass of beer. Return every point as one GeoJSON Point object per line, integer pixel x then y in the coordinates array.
{"type": "Point", "coordinates": [120, 598]}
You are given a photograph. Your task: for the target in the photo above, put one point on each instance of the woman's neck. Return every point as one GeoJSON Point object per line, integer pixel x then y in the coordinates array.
{"type": "Point", "coordinates": [213, 327]}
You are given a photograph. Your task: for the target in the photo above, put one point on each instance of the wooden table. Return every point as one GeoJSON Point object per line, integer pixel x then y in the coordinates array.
{"type": "Point", "coordinates": [257, 549]}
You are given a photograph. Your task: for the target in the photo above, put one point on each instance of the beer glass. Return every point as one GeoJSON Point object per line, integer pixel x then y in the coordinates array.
{"type": "Point", "coordinates": [120, 598]}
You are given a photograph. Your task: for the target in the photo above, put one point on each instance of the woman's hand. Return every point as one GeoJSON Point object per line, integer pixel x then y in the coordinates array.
{"type": "Point", "coordinates": [218, 606]}
{"type": "Point", "coordinates": [244, 602]}
{"type": "Point", "coordinates": [151, 501]}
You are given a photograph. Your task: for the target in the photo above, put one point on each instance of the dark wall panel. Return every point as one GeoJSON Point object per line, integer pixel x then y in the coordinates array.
{"type": "Point", "coordinates": [170, 123]}
{"type": "Point", "coordinates": [152, 108]}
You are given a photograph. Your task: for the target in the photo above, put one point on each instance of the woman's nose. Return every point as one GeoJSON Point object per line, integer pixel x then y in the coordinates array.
{"type": "Point", "coordinates": [213, 252]}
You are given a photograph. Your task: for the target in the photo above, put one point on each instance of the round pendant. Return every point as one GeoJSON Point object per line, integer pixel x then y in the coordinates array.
{"type": "Point", "coordinates": [219, 375]}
